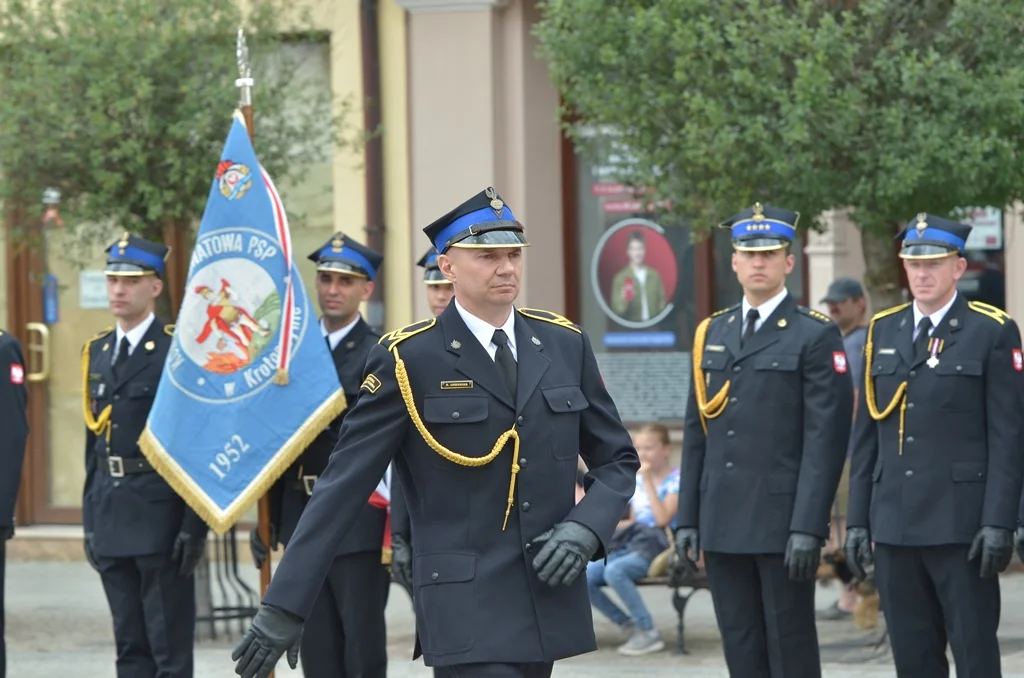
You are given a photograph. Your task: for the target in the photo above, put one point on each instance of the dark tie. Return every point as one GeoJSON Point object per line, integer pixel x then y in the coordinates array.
{"type": "Point", "coordinates": [122, 355]}
{"type": "Point", "coordinates": [506, 363]}
{"type": "Point", "coordinates": [921, 343]}
{"type": "Point", "coordinates": [748, 331]}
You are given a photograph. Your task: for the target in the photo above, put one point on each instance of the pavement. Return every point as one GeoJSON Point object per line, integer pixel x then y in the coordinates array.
{"type": "Point", "coordinates": [58, 624]}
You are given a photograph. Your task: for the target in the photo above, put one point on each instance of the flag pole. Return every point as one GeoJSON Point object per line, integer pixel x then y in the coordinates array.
{"type": "Point", "coordinates": [244, 84]}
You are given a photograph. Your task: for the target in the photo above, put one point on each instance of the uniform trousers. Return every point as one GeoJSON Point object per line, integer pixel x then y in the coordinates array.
{"type": "Point", "coordinates": [345, 635]}
{"type": "Point", "coordinates": [766, 619]}
{"type": "Point", "coordinates": [533, 670]}
{"type": "Point", "coordinates": [932, 595]}
{"type": "Point", "coordinates": [154, 611]}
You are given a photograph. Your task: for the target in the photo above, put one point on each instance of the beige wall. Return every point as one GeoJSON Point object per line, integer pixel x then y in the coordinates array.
{"type": "Point", "coordinates": [833, 253]}
{"type": "Point", "coordinates": [482, 112]}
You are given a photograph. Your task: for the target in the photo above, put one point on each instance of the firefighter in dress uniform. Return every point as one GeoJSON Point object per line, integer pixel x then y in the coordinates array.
{"type": "Point", "coordinates": [346, 633]}
{"type": "Point", "coordinates": [486, 407]}
{"type": "Point", "coordinates": [439, 294]}
{"type": "Point", "coordinates": [139, 534]}
{"type": "Point", "coordinates": [14, 424]}
{"type": "Point", "coordinates": [767, 425]}
{"type": "Point", "coordinates": [935, 474]}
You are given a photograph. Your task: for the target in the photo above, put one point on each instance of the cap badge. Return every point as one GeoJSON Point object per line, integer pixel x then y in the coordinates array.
{"type": "Point", "coordinates": [496, 203]}
{"type": "Point", "coordinates": [758, 212]}
{"type": "Point", "coordinates": [336, 244]}
{"type": "Point", "coordinates": [922, 224]}
{"type": "Point", "coordinates": [124, 243]}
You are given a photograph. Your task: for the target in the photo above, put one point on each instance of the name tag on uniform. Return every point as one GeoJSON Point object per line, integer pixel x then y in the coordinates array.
{"type": "Point", "coordinates": [717, 348]}
{"type": "Point", "coordinates": [886, 351]}
{"type": "Point", "coordinates": [449, 385]}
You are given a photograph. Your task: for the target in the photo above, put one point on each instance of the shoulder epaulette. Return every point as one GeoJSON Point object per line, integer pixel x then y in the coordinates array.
{"type": "Point", "coordinates": [994, 312]}
{"type": "Point", "coordinates": [725, 310]}
{"type": "Point", "coordinates": [817, 315]}
{"type": "Point", "coordinates": [99, 335]}
{"type": "Point", "coordinates": [169, 330]}
{"type": "Point", "coordinates": [395, 337]}
{"type": "Point", "coordinates": [889, 311]}
{"type": "Point", "coordinates": [550, 317]}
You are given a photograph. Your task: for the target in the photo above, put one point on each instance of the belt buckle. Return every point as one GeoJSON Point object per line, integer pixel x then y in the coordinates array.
{"type": "Point", "coordinates": [115, 465]}
{"type": "Point", "coordinates": [308, 482]}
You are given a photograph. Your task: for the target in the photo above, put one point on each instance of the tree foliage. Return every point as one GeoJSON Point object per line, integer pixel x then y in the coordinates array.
{"type": "Point", "coordinates": [124, 105]}
{"type": "Point", "coordinates": [886, 107]}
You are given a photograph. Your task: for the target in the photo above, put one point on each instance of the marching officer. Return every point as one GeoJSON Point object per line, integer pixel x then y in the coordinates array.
{"type": "Point", "coordinates": [346, 633]}
{"type": "Point", "coordinates": [439, 294]}
{"type": "Point", "coordinates": [485, 407]}
{"type": "Point", "coordinates": [935, 475]}
{"type": "Point", "coordinates": [139, 534]}
{"type": "Point", "coordinates": [766, 431]}
{"type": "Point", "coordinates": [14, 423]}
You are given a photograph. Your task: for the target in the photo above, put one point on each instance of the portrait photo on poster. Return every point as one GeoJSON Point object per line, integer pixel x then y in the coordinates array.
{"type": "Point", "coordinates": [634, 273]}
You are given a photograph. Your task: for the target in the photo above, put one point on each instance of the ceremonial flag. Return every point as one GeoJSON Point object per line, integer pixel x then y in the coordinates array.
{"type": "Point", "coordinates": [249, 381]}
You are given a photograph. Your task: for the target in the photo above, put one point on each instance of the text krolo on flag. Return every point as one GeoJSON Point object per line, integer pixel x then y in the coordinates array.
{"type": "Point", "coordinates": [249, 381]}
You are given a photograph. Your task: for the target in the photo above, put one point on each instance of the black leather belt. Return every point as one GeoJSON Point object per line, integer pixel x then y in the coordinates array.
{"type": "Point", "coordinates": [119, 467]}
{"type": "Point", "coordinates": [304, 484]}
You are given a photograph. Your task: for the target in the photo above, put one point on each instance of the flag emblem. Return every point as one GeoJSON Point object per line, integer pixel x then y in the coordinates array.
{"type": "Point", "coordinates": [839, 361]}
{"type": "Point", "coordinates": [234, 179]}
{"type": "Point", "coordinates": [17, 374]}
{"type": "Point", "coordinates": [1018, 360]}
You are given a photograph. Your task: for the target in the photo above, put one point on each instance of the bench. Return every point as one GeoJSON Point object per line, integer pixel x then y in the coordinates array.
{"type": "Point", "coordinates": [676, 579]}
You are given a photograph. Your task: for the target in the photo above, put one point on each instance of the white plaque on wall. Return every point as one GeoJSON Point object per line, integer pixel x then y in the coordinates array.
{"type": "Point", "coordinates": [92, 290]}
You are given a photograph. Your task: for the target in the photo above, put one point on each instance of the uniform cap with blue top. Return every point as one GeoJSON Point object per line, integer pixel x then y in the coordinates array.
{"type": "Point", "coordinates": [132, 255]}
{"type": "Point", "coordinates": [930, 237]}
{"type": "Point", "coordinates": [762, 228]}
{"type": "Point", "coordinates": [482, 221]}
{"type": "Point", "coordinates": [432, 273]}
{"type": "Point", "coordinates": [342, 254]}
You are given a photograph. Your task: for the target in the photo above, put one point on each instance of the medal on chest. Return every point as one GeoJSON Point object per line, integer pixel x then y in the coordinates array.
{"type": "Point", "coordinates": [934, 348]}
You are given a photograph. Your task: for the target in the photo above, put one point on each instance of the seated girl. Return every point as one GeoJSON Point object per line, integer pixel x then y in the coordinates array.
{"type": "Point", "coordinates": [639, 538]}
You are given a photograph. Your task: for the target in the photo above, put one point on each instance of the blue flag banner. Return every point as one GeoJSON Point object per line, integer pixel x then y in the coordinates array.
{"type": "Point", "coordinates": [249, 381]}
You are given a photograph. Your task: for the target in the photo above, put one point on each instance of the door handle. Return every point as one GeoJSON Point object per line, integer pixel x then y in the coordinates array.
{"type": "Point", "coordinates": [40, 349]}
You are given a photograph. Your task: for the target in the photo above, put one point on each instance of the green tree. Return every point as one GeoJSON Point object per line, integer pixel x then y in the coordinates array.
{"type": "Point", "coordinates": [124, 105]}
{"type": "Point", "coordinates": [886, 107]}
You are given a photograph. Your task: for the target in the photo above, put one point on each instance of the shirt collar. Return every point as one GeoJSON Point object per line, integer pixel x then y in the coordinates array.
{"type": "Point", "coordinates": [484, 331]}
{"type": "Point", "coordinates": [136, 333]}
{"type": "Point", "coordinates": [936, 317]}
{"type": "Point", "coordinates": [336, 336]}
{"type": "Point", "coordinates": [767, 308]}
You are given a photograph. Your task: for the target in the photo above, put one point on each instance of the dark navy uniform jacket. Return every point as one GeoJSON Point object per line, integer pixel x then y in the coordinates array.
{"type": "Point", "coordinates": [959, 464]}
{"type": "Point", "coordinates": [138, 514]}
{"type": "Point", "coordinates": [13, 423]}
{"type": "Point", "coordinates": [770, 461]}
{"type": "Point", "coordinates": [477, 596]}
{"type": "Point", "coordinates": [289, 495]}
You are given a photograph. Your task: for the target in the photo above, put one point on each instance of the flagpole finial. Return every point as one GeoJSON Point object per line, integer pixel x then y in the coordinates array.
{"type": "Point", "coordinates": [244, 81]}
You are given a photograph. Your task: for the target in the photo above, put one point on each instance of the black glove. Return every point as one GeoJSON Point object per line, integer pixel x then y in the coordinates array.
{"type": "Point", "coordinates": [568, 547]}
{"type": "Point", "coordinates": [803, 554]}
{"type": "Point", "coordinates": [401, 562]}
{"type": "Point", "coordinates": [188, 551]}
{"type": "Point", "coordinates": [688, 548]}
{"type": "Point", "coordinates": [257, 548]}
{"type": "Point", "coordinates": [90, 555]}
{"type": "Point", "coordinates": [858, 552]}
{"type": "Point", "coordinates": [272, 633]}
{"type": "Point", "coordinates": [995, 545]}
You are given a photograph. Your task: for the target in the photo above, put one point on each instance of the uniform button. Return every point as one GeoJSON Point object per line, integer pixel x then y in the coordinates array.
{"type": "Point", "coordinates": [433, 575]}
{"type": "Point", "coordinates": [117, 483]}
{"type": "Point", "coordinates": [115, 425]}
{"type": "Point", "coordinates": [524, 461]}
{"type": "Point", "coordinates": [736, 368]}
{"type": "Point", "coordinates": [910, 406]}
{"type": "Point", "coordinates": [959, 368]}
{"type": "Point", "coordinates": [775, 363]}
{"type": "Point", "coordinates": [910, 474]}
{"type": "Point", "coordinates": [730, 433]}
{"type": "Point", "coordinates": [733, 400]}
{"type": "Point", "coordinates": [529, 548]}
{"type": "Point", "coordinates": [910, 439]}
{"type": "Point", "coordinates": [117, 397]}
{"type": "Point", "coordinates": [520, 420]}
{"type": "Point", "coordinates": [913, 373]}
{"type": "Point", "coordinates": [728, 464]}
{"type": "Point", "coordinates": [526, 506]}
{"type": "Point", "coordinates": [455, 415]}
